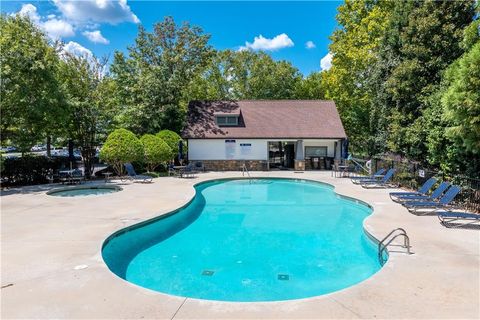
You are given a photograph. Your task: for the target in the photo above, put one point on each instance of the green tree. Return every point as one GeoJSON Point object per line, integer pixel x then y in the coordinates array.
{"type": "Point", "coordinates": [354, 47]}
{"type": "Point", "coordinates": [431, 27]}
{"type": "Point", "coordinates": [214, 82]}
{"type": "Point", "coordinates": [244, 75]}
{"type": "Point", "coordinates": [255, 75]}
{"type": "Point", "coordinates": [311, 87]}
{"type": "Point", "coordinates": [156, 151]}
{"type": "Point", "coordinates": [461, 101]}
{"type": "Point", "coordinates": [171, 139]}
{"type": "Point", "coordinates": [85, 89]}
{"type": "Point", "coordinates": [160, 66]}
{"type": "Point", "coordinates": [121, 146]}
{"type": "Point", "coordinates": [383, 113]}
{"type": "Point", "coordinates": [31, 102]}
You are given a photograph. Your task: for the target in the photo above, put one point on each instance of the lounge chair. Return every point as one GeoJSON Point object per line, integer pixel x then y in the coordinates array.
{"type": "Point", "coordinates": [421, 192]}
{"type": "Point", "coordinates": [382, 183]}
{"type": "Point", "coordinates": [436, 194]}
{"type": "Point", "coordinates": [465, 218]}
{"type": "Point", "coordinates": [377, 175]}
{"type": "Point", "coordinates": [134, 176]}
{"type": "Point", "coordinates": [443, 203]}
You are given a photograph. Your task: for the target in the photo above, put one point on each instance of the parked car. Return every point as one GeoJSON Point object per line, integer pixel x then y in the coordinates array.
{"type": "Point", "coordinates": [59, 152]}
{"type": "Point", "coordinates": [38, 147]}
{"type": "Point", "coordinates": [77, 154]}
{"type": "Point", "coordinates": [9, 149]}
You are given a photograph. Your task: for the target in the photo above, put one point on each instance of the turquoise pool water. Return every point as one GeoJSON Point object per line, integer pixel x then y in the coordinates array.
{"type": "Point", "coordinates": [250, 240]}
{"type": "Point", "coordinates": [82, 191]}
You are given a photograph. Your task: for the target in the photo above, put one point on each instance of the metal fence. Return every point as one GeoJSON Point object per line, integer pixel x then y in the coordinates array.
{"type": "Point", "coordinates": [411, 175]}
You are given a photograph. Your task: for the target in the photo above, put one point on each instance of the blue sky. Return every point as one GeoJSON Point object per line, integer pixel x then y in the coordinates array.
{"type": "Point", "coordinates": [294, 31]}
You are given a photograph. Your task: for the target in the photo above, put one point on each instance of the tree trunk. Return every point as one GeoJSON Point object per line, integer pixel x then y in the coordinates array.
{"type": "Point", "coordinates": [88, 154]}
{"type": "Point", "coordinates": [49, 146]}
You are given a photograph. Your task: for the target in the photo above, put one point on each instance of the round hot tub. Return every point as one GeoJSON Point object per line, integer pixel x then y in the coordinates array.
{"type": "Point", "coordinates": [80, 191]}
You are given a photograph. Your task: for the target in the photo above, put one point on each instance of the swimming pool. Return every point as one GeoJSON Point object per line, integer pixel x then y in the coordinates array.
{"type": "Point", "coordinates": [83, 191]}
{"type": "Point", "coordinates": [249, 240]}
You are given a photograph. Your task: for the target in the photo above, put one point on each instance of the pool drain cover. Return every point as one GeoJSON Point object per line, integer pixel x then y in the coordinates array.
{"type": "Point", "coordinates": [283, 277]}
{"type": "Point", "coordinates": [208, 273]}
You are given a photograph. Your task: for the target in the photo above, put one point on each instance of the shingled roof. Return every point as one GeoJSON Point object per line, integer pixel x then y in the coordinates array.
{"type": "Point", "coordinates": [291, 119]}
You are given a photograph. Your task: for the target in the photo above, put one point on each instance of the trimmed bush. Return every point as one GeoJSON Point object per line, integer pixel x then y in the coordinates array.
{"type": "Point", "coordinates": [122, 146]}
{"type": "Point", "coordinates": [156, 151]}
{"type": "Point", "coordinates": [171, 138]}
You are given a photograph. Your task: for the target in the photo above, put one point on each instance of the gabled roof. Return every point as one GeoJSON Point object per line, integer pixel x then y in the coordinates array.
{"type": "Point", "coordinates": [291, 119]}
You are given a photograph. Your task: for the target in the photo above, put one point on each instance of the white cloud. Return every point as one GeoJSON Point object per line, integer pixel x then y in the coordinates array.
{"type": "Point", "coordinates": [103, 11]}
{"type": "Point", "coordinates": [58, 28]}
{"type": "Point", "coordinates": [326, 62]}
{"type": "Point", "coordinates": [29, 10]}
{"type": "Point", "coordinates": [54, 28]}
{"type": "Point", "coordinates": [96, 37]}
{"type": "Point", "coordinates": [77, 49]}
{"type": "Point", "coordinates": [310, 45]}
{"type": "Point", "coordinates": [262, 43]}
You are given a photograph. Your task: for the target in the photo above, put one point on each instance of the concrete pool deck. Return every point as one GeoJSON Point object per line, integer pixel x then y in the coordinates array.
{"type": "Point", "coordinates": [52, 267]}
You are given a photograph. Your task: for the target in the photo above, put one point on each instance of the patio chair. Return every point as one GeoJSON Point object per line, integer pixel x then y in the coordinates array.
{"type": "Point", "coordinates": [77, 176]}
{"type": "Point", "coordinates": [171, 170]}
{"type": "Point", "coordinates": [443, 203]}
{"type": "Point", "coordinates": [421, 192]}
{"type": "Point", "coordinates": [450, 218]}
{"type": "Point", "coordinates": [134, 176]}
{"type": "Point", "coordinates": [377, 175]}
{"type": "Point", "coordinates": [199, 166]}
{"type": "Point", "coordinates": [189, 171]}
{"type": "Point", "coordinates": [382, 183]}
{"type": "Point", "coordinates": [71, 176]}
{"type": "Point", "coordinates": [436, 194]}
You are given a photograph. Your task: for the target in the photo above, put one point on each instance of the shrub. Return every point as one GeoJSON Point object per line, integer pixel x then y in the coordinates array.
{"type": "Point", "coordinates": [156, 151]}
{"type": "Point", "coordinates": [31, 169]}
{"type": "Point", "coordinates": [171, 138]}
{"type": "Point", "coordinates": [121, 146]}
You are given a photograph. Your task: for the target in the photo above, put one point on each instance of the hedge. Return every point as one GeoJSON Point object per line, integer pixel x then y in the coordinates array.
{"type": "Point", "coordinates": [31, 169]}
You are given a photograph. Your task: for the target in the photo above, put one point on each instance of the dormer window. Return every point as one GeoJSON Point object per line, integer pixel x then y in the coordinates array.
{"type": "Point", "coordinates": [226, 119]}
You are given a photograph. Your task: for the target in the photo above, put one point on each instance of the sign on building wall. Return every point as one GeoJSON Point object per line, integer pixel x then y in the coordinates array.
{"type": "Point", "coordinates": [245, 149]}
{"type": "Point", "coordinates": [230, 146]}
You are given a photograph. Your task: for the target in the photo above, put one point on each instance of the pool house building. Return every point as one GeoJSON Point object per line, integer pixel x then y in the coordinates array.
{"type": "Point", "coordinates": [264, 134]}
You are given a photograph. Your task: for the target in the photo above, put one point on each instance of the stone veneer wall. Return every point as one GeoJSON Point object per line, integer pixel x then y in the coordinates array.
{"type": "Point", "coordinates": [233, 165]}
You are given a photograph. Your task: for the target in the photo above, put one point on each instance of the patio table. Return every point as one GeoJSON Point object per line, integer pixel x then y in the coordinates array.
{"type": "Point", "coordinates": [107, 176]}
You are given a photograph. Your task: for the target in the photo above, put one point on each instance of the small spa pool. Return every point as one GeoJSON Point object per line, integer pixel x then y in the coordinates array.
{"type": "Point", "coordinates": [83, 191]}
{"type": "Point", "coordinates": [249, 240]}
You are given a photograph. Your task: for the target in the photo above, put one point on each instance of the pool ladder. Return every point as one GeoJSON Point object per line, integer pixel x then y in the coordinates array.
{"type": "Point", "coordinates": [245, 170]}
{"type": "Point", "coordinates": [382, 245]}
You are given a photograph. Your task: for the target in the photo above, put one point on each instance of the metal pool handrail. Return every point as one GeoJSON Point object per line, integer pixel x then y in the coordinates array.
{"type": "Point", "coordinates": [244, 169]}
{"type": "Point", "coordinates": [383, 246]}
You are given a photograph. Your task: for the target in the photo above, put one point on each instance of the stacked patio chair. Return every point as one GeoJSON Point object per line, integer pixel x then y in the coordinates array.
{"type": "Point", "coordinates": [430, 206]}
{"type": "Point", "coordinates": [436, 194]}
{"type": "Point", "coordinates": [377, 175]}
{"type": "Point", "coordinates": [379, 183]}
